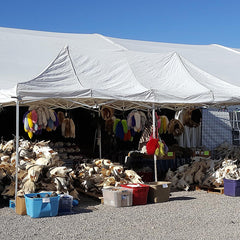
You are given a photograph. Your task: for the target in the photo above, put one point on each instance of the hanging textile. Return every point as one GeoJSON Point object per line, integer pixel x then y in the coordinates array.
{"type": "Point", "coordinates": [38, 118]}
{"type": "Point", "coordinates": [191, 133]}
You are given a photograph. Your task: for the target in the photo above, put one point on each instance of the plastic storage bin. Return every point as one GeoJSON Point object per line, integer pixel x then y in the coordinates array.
{"type": "Point", "coordinates": [231, 187]}
{"type": "Point", "coordinates": [158, 191]}
{"type": "Point", "coordinates": [41, 207]}
{"type": "Point", "coordinates": [117, 197]}
{"type": "Point", "coordinates": [140, 193]}
{"type": "Point", "coordinates": [65, 203]}
{"type": "Point", "coordinates": [12, 204]}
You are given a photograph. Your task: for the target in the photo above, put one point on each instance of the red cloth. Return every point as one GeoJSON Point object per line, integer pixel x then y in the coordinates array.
{"type": "Point", "coordinates": [152, 145]}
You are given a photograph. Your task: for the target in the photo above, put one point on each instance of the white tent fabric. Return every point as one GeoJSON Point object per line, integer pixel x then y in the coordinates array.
{"type": "Point", "coordinates": [219, 61]}
{"type": "Point", "coordinates": [176, 80]}
{"type": "Point", "coordinates": [94, 69]}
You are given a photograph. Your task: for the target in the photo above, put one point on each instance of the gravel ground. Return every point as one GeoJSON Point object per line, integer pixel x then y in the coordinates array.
{"type": "Point", "coordinates": [187, 215]}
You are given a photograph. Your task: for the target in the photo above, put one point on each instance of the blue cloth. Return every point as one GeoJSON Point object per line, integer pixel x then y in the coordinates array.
{"type": "Point", "coordinates": [119, 131]}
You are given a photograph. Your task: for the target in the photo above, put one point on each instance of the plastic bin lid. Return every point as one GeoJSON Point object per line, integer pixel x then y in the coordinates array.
{"type": "Point", "coordinates": [135, 185]}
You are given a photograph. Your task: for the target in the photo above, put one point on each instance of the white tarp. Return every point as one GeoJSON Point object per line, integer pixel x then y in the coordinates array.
{"type": "Point", "coordinates": [97, 69]}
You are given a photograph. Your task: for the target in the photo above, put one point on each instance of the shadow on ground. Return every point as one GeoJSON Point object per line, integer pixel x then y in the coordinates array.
{"type": "Point", "coordinates": [75, 210]}
{"type": "Point", "coordinates": [181, 198]}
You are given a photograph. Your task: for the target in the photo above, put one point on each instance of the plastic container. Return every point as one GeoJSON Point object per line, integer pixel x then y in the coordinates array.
{"type": "Point", "coordinates": [117, 197]}
{"type": "Point", "coordinates": [140, 193]}
{"type": "Point", "coordinates": [158, 191]}
{"type": "Point", "coordinates": [41, 207]}
{"type": "Point", "coordinates": [75, 202]}
{"type": "Point", "coordinates": [65, 203]}
{"type": "Point", "coordinates": [12, 204]}
{"type": "Point", "coordinates": [231, 187]}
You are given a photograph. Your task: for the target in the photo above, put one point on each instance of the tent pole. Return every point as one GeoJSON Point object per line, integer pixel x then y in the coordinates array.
{"type": "Point", "coordinates": [154, 136]}
{"type": "Point", "coordinates": [17, 146]}
{"type": "Point", "coordinates": [99, 136]}
{"type": "Point", "coordinates": [100, 141]}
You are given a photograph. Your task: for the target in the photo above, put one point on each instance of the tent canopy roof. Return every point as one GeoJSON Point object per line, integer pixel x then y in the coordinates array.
{"type": "Point", "coordinates": [91, 69]}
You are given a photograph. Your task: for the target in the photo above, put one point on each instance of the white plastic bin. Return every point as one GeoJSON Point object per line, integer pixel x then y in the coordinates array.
{"type": "Point", "coordinates": [117, 197]}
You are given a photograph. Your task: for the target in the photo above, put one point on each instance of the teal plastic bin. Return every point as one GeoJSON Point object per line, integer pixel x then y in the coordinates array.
{"type": "Point", "coordinates": [41, 207]}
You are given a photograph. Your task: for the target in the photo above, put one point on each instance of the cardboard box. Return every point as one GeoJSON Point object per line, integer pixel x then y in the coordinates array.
{"type": "Point", "coordinates": [21, 206]}
{"type": "Point", "coordinates": [158, 191]}
{"type": "Point", "coordinates": [117, 197]}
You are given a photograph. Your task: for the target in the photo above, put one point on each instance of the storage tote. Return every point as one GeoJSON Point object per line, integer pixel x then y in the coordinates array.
{"type": "Point", "coordinates": [231, 187]}
{"type": "Point", "coordinates": [117, 197]}
{"type": "Point", "coordinates": [43, 206]}
{"type": "Point", "coordinates": [140, 192]}
{"type": "Point", "coordinates": [65, 203]}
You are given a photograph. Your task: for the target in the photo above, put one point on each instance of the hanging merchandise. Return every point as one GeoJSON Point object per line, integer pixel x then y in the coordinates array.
{"type": "Point", "coordinates": [136, 121]}
{"type": "Point", "coordinates": [61, 117]}
{"type": "Point", "coordinates": [162, 149]}
{"type": "Point", "coordinates": [107, 115]}
{"type": "Point", "coordinates": [109, 126]}
{"type": "Point", "coordinates": [116, 121]}
{"type": "Point", "coordinates": [152, 145]}
{"type": "Point", "coordinates": [38, 118]}
{"type": "Point", "coordinates": [162, 124]}
{"type": "Point", "coordinates": [121, 131]}
{"type": "Point", "coordinates": [143, 120]}
{"type": "Point", "coordinates": [67, 126]}
{"type": "Point", "coordinates": [191, 120]}
{"type": "Point", "coordinates": [175, 127]}
{"type": "Point", "coordinates": [192, 117]}
{"type": "Point", "coordinates": [156, 146]}
{"type": "Point", "coordinates": [107, 112]}
{"type": "Point", "coordinates": [148, 129]}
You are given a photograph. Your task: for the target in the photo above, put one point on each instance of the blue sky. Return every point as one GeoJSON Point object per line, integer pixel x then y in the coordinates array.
{"type": "Point", "coordinates": [175, 21]}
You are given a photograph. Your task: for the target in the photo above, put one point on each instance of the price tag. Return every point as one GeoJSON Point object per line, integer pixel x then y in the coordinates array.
{"type": "Point", "coordinates": [46, 200]}
{"type": "Point", "coordinates": [170, 154]}
{"type": "Point", "coordinates": [165, 185]}
{"type": "Point", "coordinates": [206, 153]}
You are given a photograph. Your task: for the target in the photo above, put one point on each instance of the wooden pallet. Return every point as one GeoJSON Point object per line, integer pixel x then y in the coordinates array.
{"type": "Point", "coordinates": [217, 190]}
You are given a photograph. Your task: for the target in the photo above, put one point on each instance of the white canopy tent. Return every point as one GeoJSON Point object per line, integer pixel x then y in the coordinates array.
{"type": "Point", "coordinates": [70, 70]}
{"type": "Point", "coordinates": [91, 69]}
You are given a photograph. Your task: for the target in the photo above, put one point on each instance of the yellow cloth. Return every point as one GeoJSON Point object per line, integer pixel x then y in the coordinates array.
{"type": "Point", "coordinates": [30, 122]}
{"type": "Point", "coordinates": [30, 135]}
